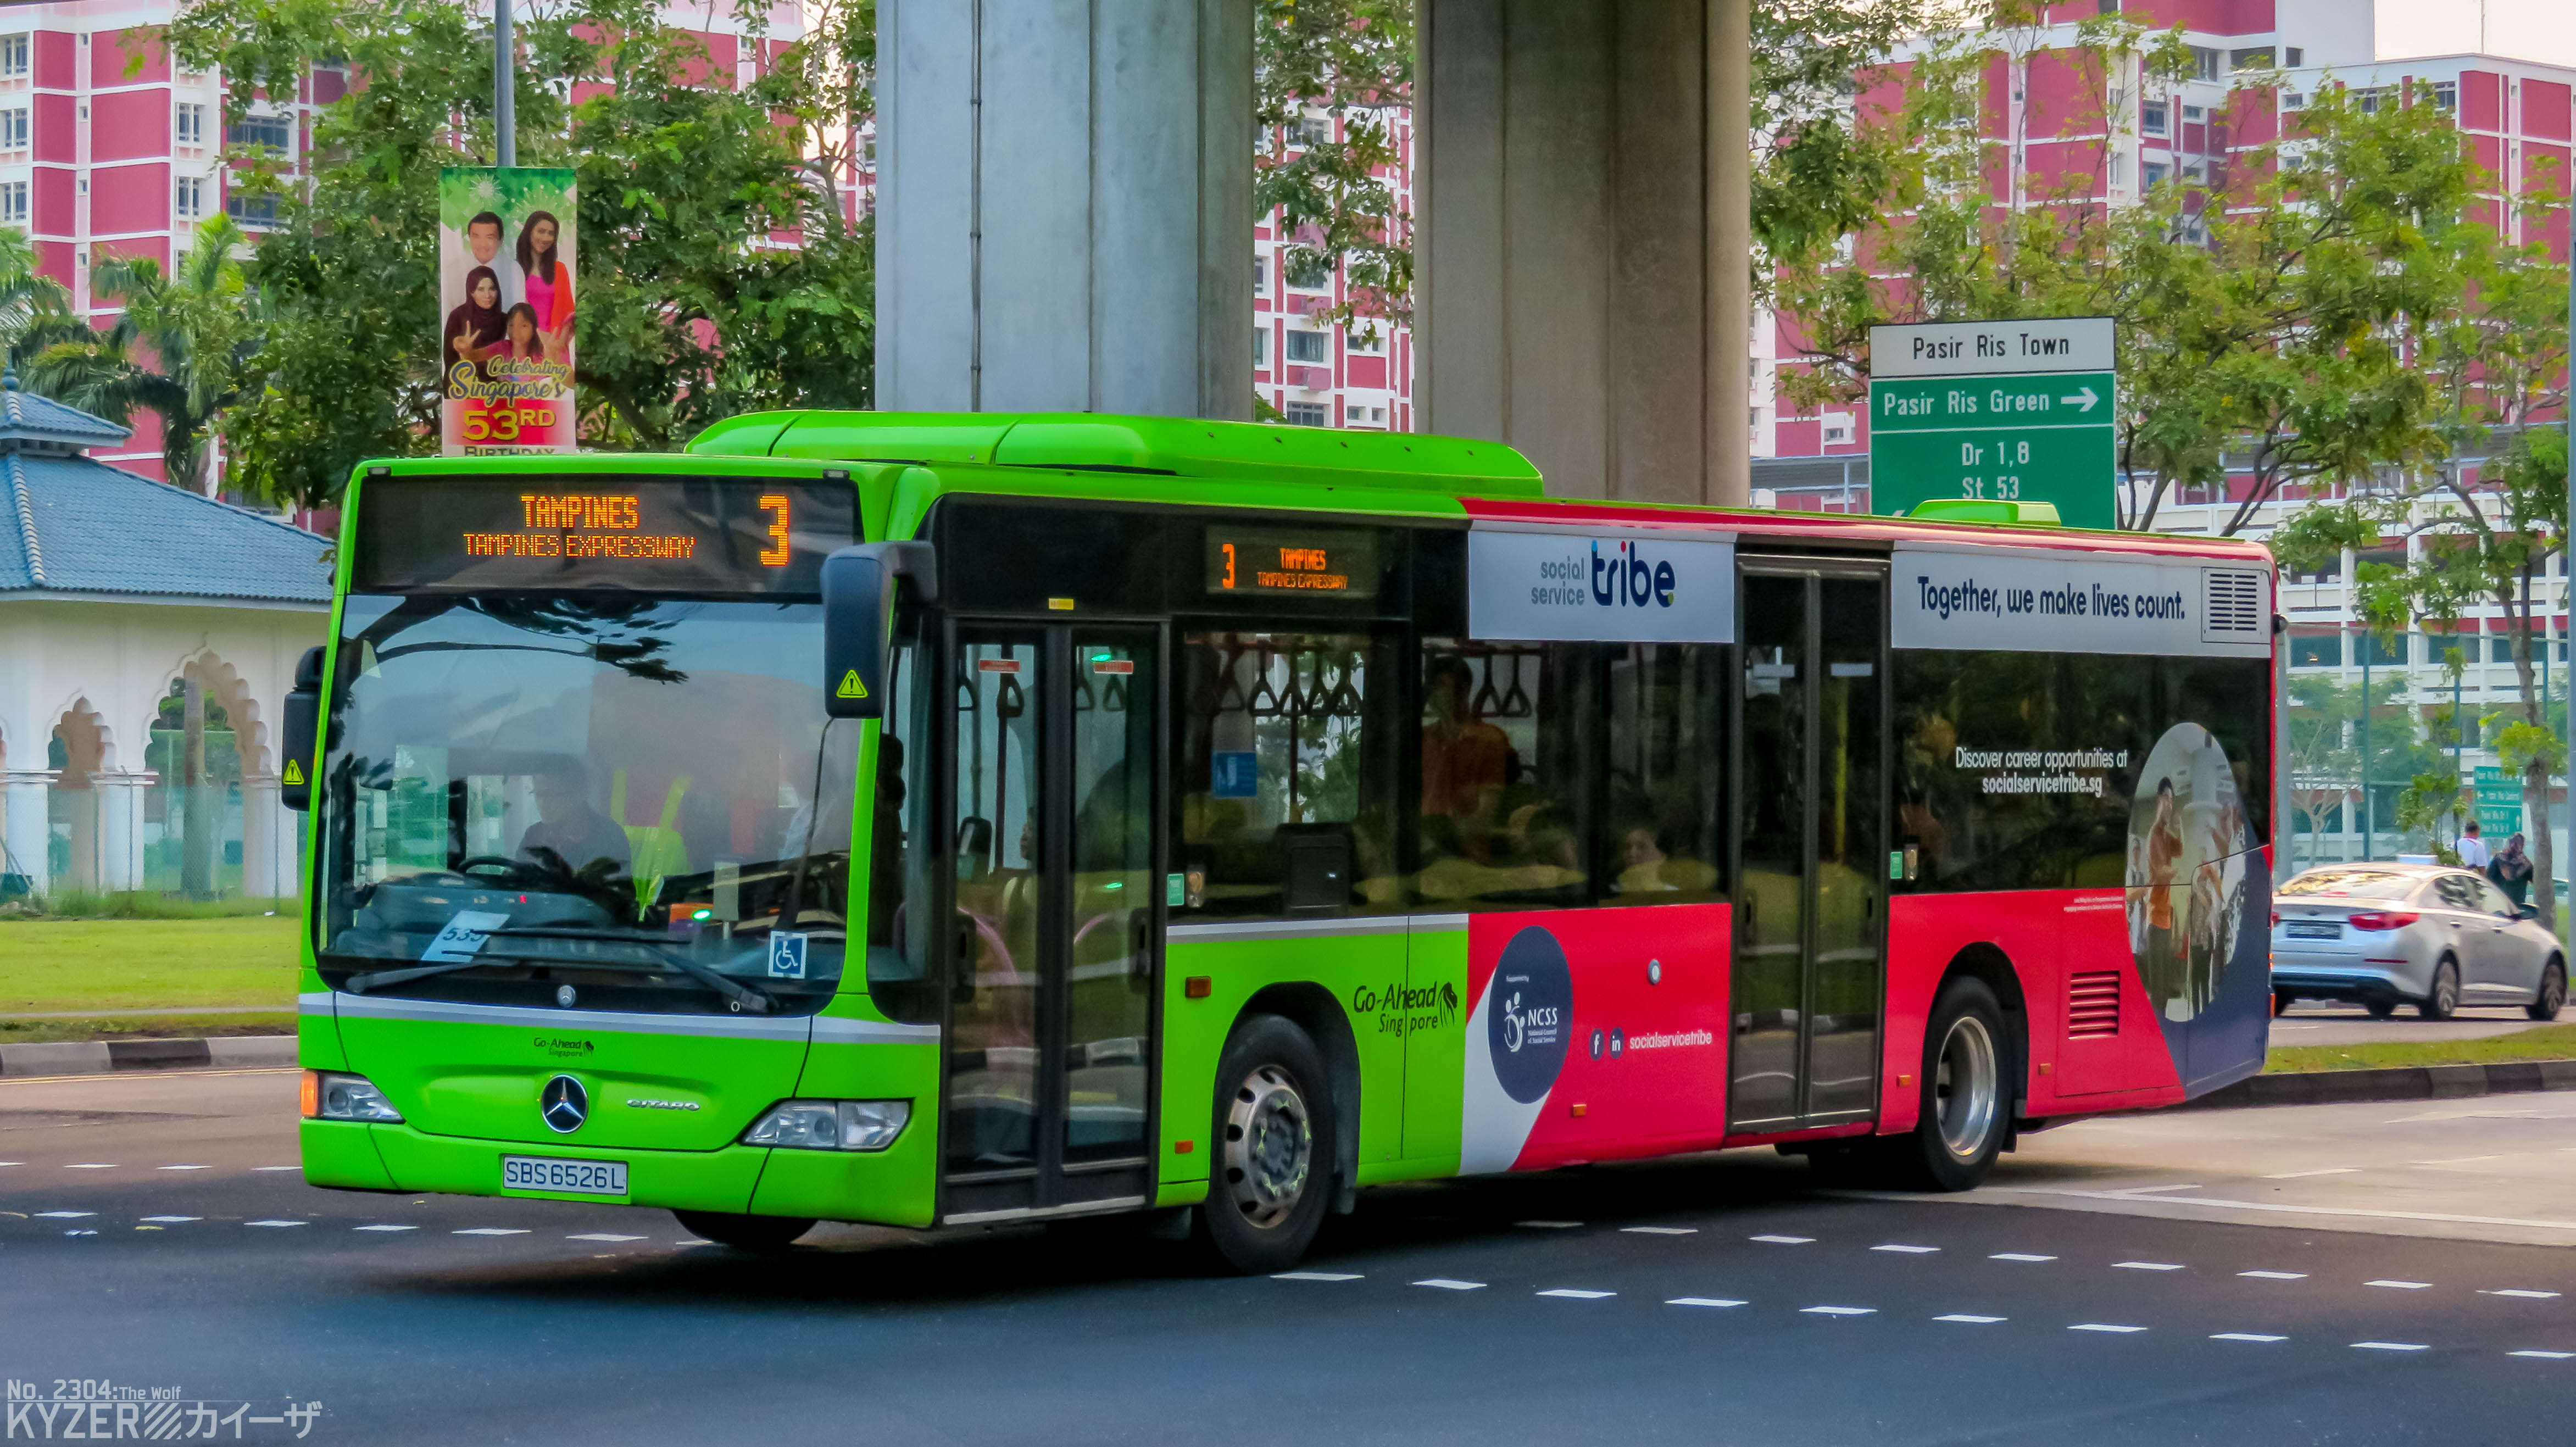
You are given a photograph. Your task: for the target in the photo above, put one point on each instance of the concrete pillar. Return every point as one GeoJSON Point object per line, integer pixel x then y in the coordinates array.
{"type": "Point", "coordinates": [268, 839]}
{"type": "Point", "coordinates": [1064, 216]}
{"type": "Point", "coordinates": [86, 869]}
{"type": "Point", "coordinates": [1572, 239]}
{"type": "Point", "coordinates": [120, 828]}
{"type": "Point", "coordinates": [25, 829]}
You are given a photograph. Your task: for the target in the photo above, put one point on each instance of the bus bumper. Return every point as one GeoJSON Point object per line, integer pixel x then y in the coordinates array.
{"type": "Point", "coordinates": [401, 1158]}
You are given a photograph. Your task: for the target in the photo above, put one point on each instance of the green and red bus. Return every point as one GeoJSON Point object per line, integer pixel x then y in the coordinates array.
{"type": "Point", "coordinates": [946, 819]}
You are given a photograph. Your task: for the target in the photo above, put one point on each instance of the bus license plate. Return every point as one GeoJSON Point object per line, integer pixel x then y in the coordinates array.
{"type": "Point", "coordinates": [584, 1178]}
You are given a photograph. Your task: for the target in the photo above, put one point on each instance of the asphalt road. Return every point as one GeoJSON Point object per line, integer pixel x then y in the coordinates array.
{"type": "Point", "coordinates": [153, 1234]}
{"type": "Point", "coordinates": [2326, 1022]}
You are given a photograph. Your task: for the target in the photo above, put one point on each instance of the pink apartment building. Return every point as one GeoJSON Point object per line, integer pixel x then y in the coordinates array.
{"type": "Point", "coordinates": [1315, 373]}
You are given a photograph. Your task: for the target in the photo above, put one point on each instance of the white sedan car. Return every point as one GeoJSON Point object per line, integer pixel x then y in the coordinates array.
{"type": "Point", "coordinates": [2425, 935]}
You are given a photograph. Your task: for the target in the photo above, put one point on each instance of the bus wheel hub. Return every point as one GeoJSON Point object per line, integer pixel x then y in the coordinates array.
{"type": "Point", "coordinates": [1269, 1146]}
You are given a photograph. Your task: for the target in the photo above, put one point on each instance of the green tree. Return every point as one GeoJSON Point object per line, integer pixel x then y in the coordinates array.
{"type": "Point", "coordinates": [35, 310]}
{"type": "Point", "coordinates": [718, 271]}
{"type": "Point", "coordinates": [176, 350]}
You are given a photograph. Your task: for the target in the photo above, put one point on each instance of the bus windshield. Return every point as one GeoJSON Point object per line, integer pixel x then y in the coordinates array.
{"type": "Point", "coordinates": [586, 801]}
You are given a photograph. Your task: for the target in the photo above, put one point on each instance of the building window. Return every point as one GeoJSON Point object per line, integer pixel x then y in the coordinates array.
{"type": "Point", "coordinates": [1308, 271]}
{"type": "Point", "coordinates": [252, 212]}
{"type": "Point", "coordinates": [2446, 95]}
{"type": "Point", "coordinates": [2293, 57]}
{"type": "Point", "coordinates": [13, 202]}
{"type": "Point", "coordinates": [2369, 98]}
{"type": "Point", "coordinates": [1309, 414]}
{"type": "Point", "coordinates": [2154, 118]}
{"type": "Point", "coordinates": [2205, 61]}
{"type": "Point", "coordinates": [1261, 346]}
{"type": "Point", "coordinates": [13, 129]}
{"type": "Point", "coordinates": [2294, 100]}
{"type": "Point", "coordinates": [2253, 58]}
{"type": "Point", "coordinates": [1261, 276]}
{"type": "Point", "coordinates": [14, 57]}
{"type": "Point", "coordinates": [273, 133]}
{"type": "Point", "coordinates": [2194, 115]}
{"type": "Point", "coordinates": [188, 124]}
{"type": "Point", "coordinates": [1366, 340]}
{"type": "Point", "coordinates": [2153, 173]}
{"type": "Point", "coordinates": [1310, 346]}
{"type": "Point", "coordinates": [1838, 427]}
{"type": "Point", "coordinates": [2119, 168]}
{"type": "Point", "coordinates": [1315, 130]}
{"type": "Point", "coordinates": [189, 198]}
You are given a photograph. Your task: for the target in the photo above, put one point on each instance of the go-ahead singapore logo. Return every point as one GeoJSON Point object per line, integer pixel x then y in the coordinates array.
{"type": "Point", "coordinates": [1532, 1015]}
{"type": "Point", "coordinates": [1403, 1010]}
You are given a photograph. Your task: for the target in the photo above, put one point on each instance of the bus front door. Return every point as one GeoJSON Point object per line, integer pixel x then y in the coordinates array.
{"type": "Point", "coordinates": [1054, 941]}
{"type": "Point", "coordinates": [1811, 851]}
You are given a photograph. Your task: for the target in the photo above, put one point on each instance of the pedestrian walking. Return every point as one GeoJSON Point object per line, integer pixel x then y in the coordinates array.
{"type": "Point", "coordinates": [2471, 849]}
{"type": "Point", "coordinates": [2511, 871]}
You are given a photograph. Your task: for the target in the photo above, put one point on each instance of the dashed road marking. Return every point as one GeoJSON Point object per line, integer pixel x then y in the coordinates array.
{"type": "Point", "coordinates": [602, 1236]}
{"type": "Point", "coordinates": [178, 1168]}
{"type": "Point", "coordinates": [2302, 1175]}
{"type": "Point", "coordinates": [1908, 1250]}
{"type": "Point", "coordinates": [1785, 1240]}
{"type": "Point", "coordinates": [1961, 1316]}
{"type": "Point", "coordinates": [1576, 1293]}
{"type": "Point", "coordinates": [2147, 1265]}
{"type": "Point", "coordinates": [2401, 1285]}
{"type": "Point", "coordinates": [1547, 1225]}
{"type": "Point", "coordinates": [2244, 1336]}
{"type": "Point", "coordinates": [2018, 1256]}
{"type": "Point", "coordinates": [272, 1223]}
{"type": "Point", "coordinates": [2454, 1160]}
{"type": "Point", "coordinates": [1275, 1276]}
{"type": "Point", "coordinates": [2103, 1326]}
{"type": "Point", "coordinates": [1445, 1284]}
{"type": "Point", "coordinates": [91, 1166]}
{"type": "Point", "coordinates": [1661, 1230]}
{"type": "Point", "coordinates": [1839, 1310]}
{"type": "Point", "coordinates": [492, 1231]}
{"type": "Point", "coordinates": [2275, 1275]}
{"type": "Point", "coordinates": [277, 1168]}
{"type": "Point", "coordinates": [2518, 1291]}
{"type": "Point", "coordinates": [172, 1220]}
{"type": "Point", "coordinates": [385, 1228]}
{"type": "Point", "coordinates": [64, 1215]}
{"type": "Point", "coordinates": [2545, 1356]}
{"type": "Point", "coordinates": [2390, 1346]}
{"type": "Point", "coordinates": [1701, 1301]}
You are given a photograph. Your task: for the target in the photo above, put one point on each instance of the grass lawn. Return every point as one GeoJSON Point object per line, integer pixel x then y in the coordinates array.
{"type": "Point", "coordinates": [2546, 1042]}
{"type": "Point", "coordinates": [111, 964]}
{"type": "Point", "coordinates": [144, 1027]}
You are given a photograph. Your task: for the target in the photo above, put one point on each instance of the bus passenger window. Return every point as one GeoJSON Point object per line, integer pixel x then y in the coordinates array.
{"type": "Point", "coordinates": [1288, 773]}
{"type": "Point", "coordinates": [1502, 812]}
{"type": "Point", "coordinates": [1660, 840]}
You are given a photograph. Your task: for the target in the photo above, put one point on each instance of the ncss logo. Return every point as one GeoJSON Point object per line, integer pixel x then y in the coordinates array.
{"type": "Point", "coordinates": [1626, 579]}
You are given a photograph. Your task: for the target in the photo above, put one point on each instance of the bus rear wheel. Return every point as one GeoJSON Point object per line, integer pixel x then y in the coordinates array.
{"type": "Point", "coordinates": [1966, 1099]}
{"type": "Point", "coordinates": [1274, 1132]}
{"type": "Point", "coordinates": [747, 1233]}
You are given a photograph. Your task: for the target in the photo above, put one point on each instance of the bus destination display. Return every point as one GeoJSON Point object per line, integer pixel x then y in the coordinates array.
{"type": "Point", "coordinates": [657, 534]}
{"type": "Point", "coordinates": [1323, 560]}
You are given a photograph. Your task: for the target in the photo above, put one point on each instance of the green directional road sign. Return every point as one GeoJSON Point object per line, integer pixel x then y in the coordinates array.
{"type": "Point", "coordinates": [2499, 804]}
{"type": "Point", "coordinates": [2009, 411]}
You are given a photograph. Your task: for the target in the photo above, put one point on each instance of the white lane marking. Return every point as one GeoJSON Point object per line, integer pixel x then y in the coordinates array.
{"type": "Point", "coordinates": [1786, 1240]}
{"type": "Point", "coordinates": [1701, 1301]}
{"type": "Point", "coordinates": [172, 1220]}
{"type": "Point", "coordinates": [2286, 1208]}
{"type": "Point", "coordinates": [2151, 1190]}
{"type": "Point", "coordinates": [2102, 1326]}
{"type": "Point", "coordinates": [384, 1228]}
{"type": "Point", "coordinates": [2401, 1285]}
{"type": "Point", "coordinates": [1970, 1320]}
{"type": "Point", "coordinates": [64, 1215]}
{"type": "Point", "coordinates": [2454, 1160]}
{"type": "Point", "coordinates": [2244, 1336]}
{"type": "Point", "coordinates": [1445, 1284]}
{"type": "Point", "coordinates": [2390, 1346]}
{"type": "Point", "coordinates": [1908, 1250]}
{"type": "Point", "coordinates": [1547, 1225]}
{"type": "Point", "coordinates": [80, 1233]}
{"type": "Point", "coordinates": [2517, 1291]}
{"type": "Point", "coordinates": [178, 1168]}
{"type": "Point", "coordinates": [2544, 1356]}
{"type": "Point", "coordinates": [91, 1166]}
{"type": "Point", "coordinates": [1661, 1230]}
{"type": "Point", "coordinates": [1839, 1310]}
{"type": "Point", "coordinates": [492, 1231]}
{"type": "Point", "coordinates": [2018, 1256]}
{"type": "Point", "coordinates": [277, 1168]}
{"type": "Point", "coordinates": [272, 1223]}
{"type": "Point", "coordinates": [1573, 1293]}
{"type": "Point", "coordinates": [2328, 1171]}
{"type": "Point", "coordinates": [2147, 1265]}
{"type": "Point", "coordinates": [2275, 1275]}
{"type": "Point", "coordinates": [12, 1163]}
{"type": "Point", "coordinates": [602, 1236]}
{"type": "Point", "coordinates": [1275, 1276]}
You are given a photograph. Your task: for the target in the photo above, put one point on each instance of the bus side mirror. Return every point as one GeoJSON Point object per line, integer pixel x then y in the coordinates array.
{"type": "Point", "coordinates": [298, 728]}
{"type": "Point", "coordinates": [858, 607]}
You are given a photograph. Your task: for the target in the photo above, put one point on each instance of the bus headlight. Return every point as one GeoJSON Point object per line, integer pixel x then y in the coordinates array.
{"type": "Point", "coordinates": [329, 1095]}
{"type": "Point", "coordinates": [830, 1125]}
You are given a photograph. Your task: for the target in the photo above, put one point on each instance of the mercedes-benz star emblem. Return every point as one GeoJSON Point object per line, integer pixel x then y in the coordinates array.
{"type": "Point", "coordinates": [565, 1105]}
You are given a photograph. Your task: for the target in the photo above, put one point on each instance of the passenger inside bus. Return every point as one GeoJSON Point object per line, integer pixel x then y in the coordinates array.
{"type": "Point", "coordinates": [570, 836]}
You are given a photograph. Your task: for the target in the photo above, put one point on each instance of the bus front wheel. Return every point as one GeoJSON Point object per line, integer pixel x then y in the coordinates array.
{"type": "Point", "coordinates": [1274, 1135]}
{"type": "Point", "coordinates": [746, 1233]}
{"type": "Point", "coordinates": [1967, 1093]}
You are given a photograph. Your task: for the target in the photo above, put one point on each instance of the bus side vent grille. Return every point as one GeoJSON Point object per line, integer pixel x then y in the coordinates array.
{"type": "Point", "coordinates": [2093, 1004]}
{"type": "Point", "coordinates": [2233, 610]}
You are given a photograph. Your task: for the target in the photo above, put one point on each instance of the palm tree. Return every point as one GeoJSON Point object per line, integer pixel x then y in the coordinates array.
{"type": "Point", "coordinates": [33, 306]}
{"type": "Point", "coordinates": [176, 350]}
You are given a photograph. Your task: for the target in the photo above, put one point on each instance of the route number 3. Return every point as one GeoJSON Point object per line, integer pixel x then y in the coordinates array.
{"type": "Point", "coordinates": [775, 504]}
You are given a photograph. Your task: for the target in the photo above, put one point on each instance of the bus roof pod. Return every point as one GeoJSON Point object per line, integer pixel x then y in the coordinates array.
{"type": "Point", "coordinates": [1154, 446]}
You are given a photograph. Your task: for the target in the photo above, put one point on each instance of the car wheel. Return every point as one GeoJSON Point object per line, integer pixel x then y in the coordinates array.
{"type": "Point", "coordinates": [1274, 1131]}
{"type": "Point", "coordinates": [2444, 997]}
{"type": "Point", "coordinates": [765, 1234]}
{"type": "Point", "coordinates": [2380, 1009]}
{"type": "Point", "coordinates": [2553, 992]}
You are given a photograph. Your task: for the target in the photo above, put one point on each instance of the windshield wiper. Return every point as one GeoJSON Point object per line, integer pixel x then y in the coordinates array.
{"type": "Point", "coordinates": [749, 997]}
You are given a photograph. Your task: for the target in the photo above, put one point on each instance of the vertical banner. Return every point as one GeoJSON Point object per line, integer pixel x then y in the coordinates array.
{"type": "Point", "coordinates": [506, 257]}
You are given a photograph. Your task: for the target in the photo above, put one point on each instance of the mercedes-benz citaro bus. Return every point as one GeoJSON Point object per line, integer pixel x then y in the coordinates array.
{"type": "Point", "coordinates": [942, 819]}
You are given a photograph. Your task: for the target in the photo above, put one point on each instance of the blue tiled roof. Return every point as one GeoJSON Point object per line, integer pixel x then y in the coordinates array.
{"type": "Point", "coordinates": [26, 417]}
{"type": "Point", "coordinates": [71, 525]}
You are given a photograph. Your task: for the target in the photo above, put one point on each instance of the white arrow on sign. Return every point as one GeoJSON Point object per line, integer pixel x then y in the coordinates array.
{"type": "Point", "coordinates": [2083, 399]}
